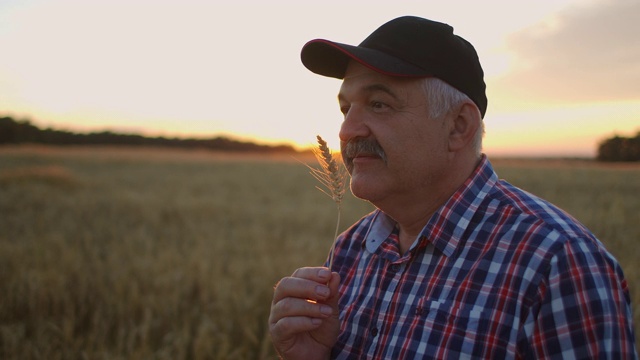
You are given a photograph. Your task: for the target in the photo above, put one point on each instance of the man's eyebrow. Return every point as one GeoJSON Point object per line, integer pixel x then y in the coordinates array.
{"type": "Point", "coordinates": [381, 87]}
{"type": "Point", "coordinates": [376, 88]}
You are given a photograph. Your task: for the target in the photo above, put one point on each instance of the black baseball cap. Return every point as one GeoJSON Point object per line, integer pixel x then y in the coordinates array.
{"type": "Point", "coordinates": [408, 46]}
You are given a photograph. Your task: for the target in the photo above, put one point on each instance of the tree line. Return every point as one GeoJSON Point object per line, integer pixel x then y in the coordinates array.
{"type": "Point", "coordinates": [620, 148]}
{"type": "Point", "coordinates": [19, 132]}
{"type": "Point", "coordinates": [614, 149]}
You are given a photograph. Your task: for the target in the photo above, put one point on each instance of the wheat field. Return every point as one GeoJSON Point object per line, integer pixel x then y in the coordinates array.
{"type": "Point", "coordinates": [118, 253]}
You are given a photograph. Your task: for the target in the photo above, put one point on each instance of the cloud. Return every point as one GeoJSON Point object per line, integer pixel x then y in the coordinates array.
{"type": "Point", "coordinates": [584, 54]}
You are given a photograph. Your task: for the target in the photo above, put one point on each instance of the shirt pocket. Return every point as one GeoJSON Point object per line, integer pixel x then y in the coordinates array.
{"type": "Point", "coordinates": [449, 315]}
{"type": "Point", "coordinates": [464, 330]}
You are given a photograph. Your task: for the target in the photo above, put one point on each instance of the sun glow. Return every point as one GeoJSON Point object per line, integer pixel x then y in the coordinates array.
{"type": "Point", "coordinates": [203, 69]}
{"type": "Point", "coordinates": [569, 130]}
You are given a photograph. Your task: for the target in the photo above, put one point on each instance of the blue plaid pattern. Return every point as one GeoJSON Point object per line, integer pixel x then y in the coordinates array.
{"type": "Point", "coordinates": [496, 273]}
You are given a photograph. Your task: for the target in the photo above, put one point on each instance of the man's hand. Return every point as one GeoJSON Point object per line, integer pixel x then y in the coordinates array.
{"type": "Point", "coordinates": [304, 320]}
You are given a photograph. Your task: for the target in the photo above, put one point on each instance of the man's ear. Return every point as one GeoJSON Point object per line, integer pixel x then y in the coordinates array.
{"type": "Point", "coordinates": [465, 123]}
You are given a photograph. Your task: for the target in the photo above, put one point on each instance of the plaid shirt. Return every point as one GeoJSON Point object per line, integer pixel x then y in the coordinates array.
{"type": "Point", "coordinates": [496, 273]}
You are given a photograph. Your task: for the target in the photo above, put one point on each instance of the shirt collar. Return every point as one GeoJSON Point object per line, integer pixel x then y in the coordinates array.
{"type": "Point", "coordinates": [381, 227]}
{"type": "Point", "coordinates": [447, 225]}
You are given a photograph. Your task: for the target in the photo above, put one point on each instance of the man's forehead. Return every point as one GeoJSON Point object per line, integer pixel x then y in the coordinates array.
{"type": "Point", "coordinates": [359, 78]}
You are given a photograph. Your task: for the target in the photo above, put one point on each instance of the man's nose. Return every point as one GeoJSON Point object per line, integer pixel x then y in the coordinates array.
{"type": "Point", "coordinates": [354, 125]}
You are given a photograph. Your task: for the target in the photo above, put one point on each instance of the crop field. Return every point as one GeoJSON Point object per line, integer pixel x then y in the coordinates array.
{"type": "Point", "coordinates": [120, 253]}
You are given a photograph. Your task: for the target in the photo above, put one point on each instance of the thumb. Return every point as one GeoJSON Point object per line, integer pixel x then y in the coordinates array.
{"type": "Point", "coordinates": [334, 285]}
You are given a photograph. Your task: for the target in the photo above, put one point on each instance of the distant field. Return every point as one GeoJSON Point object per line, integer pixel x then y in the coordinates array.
{"type": "Point", "coordinates": [120, 253]}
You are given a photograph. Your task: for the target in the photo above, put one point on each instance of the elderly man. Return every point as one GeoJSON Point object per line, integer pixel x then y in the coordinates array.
{"type": "Point", "coordinates": [454, 263]}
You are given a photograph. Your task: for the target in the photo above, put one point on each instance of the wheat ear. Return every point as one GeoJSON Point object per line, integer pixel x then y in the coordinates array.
{"type": "Point", "coordinates": [333, 179]}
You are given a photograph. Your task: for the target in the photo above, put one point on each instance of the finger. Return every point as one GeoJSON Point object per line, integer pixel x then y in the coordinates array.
{"type": "Point", "coordinates": [288, 327]}
{"type": "Point", "coordinates": [292, 307]}
{"type": "Point", "coordinates": [307, 283]}
{"type": "Point", "coordinates": [319, 274]}
{"type": "Point", "coordinates": [301, 288]}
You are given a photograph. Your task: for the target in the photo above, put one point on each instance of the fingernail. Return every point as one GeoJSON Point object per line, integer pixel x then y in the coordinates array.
{"type": "Point", "coordinates": [324, 274]}
{"type": "Point", "coordinates": [326, 310]}
{"type": "Point", "coordinates": [322, 290]}
{"type": "Point", "coordinates": [315, 321]}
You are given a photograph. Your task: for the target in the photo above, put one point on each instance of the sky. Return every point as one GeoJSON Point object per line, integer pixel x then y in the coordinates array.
{"type": "Point", "coordinates": [562, 75]}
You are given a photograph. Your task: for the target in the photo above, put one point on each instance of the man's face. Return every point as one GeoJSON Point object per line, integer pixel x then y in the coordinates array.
{"type": "Point", "coordinates": [389, 144]}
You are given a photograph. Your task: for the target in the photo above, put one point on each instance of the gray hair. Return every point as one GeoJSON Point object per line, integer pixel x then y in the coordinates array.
{"type": "Point", "coordinates": [443, 98]}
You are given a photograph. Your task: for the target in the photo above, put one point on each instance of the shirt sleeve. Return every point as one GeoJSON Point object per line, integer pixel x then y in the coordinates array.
{"type": "Point", "coordinates": [585, 308]}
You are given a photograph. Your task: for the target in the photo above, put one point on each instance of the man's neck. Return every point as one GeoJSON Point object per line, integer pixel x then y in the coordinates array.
{"type": "Point", "coordinates": [413, 211]}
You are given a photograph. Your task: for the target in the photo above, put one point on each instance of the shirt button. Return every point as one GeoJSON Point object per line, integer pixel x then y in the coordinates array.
{"type": "Point", "coordinates": [374, 331]}
{"type": "Point", "coordinates": [394, 267]}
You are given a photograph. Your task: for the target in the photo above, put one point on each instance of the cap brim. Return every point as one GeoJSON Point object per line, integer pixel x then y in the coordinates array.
{"type": "Point", "coordinates": [331, 59]}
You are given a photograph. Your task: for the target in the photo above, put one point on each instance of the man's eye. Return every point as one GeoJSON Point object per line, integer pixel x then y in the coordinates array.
{"type": "Point", "coordinates": [378, 105]}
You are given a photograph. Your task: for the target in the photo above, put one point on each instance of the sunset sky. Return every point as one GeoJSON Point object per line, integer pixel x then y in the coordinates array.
{"type": "Point", "coordinates": [562, 75]}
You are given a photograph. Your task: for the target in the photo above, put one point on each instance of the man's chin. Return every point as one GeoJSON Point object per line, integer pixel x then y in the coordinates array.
{"type": "Point", "coordinates": [362, 186]}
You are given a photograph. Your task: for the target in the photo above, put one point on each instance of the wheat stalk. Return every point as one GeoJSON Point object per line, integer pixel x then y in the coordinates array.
{"type": "Point", "coordinates": [333, 179]}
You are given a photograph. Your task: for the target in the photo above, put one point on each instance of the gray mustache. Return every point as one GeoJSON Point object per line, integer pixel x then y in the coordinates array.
{"type": "Point", "coordinates": [358, 146]}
